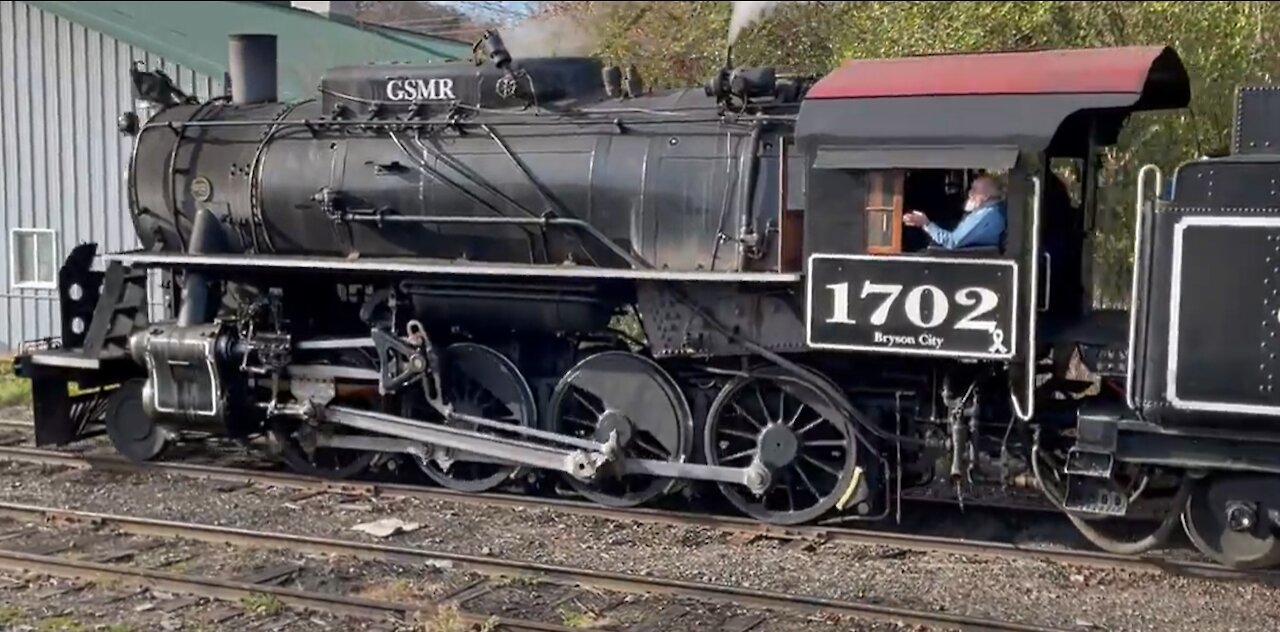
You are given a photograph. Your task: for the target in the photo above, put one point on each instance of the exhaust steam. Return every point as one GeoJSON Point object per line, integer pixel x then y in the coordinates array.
{"type": "Point", "coordinates": [747, 13]}
{"type": "Point", "coordinates": [550, 36]}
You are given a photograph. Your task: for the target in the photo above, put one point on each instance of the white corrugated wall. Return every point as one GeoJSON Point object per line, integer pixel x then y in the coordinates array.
{"type": "Point", "coordinates": [62, 161]}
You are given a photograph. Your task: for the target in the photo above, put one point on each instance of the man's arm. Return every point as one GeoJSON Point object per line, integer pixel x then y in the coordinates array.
{"type": "Point", "coordinates": [982, 227]}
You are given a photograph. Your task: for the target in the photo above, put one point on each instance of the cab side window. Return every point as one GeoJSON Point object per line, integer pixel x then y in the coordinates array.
{"type": "Point", "coordinates": [883, 211]}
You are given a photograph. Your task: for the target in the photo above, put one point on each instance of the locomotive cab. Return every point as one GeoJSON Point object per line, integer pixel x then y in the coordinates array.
{"type": "Point", "coordinates": [886, 137]}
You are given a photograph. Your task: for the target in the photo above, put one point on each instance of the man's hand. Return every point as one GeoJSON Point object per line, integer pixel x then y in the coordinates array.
{"type": "Point", "coordinates": [915, 219]}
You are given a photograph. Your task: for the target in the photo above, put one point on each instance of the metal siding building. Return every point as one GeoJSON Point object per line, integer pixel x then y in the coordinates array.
{"type": "Point", "coordinates": [62, 167]}
{"type": "Point", "coordinates": [64, 84]}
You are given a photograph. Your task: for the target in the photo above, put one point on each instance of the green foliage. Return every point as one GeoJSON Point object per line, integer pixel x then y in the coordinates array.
{"type": "Point", "coordinates": [1223, 44]}
{"type": "Point", "coordinates": [262, 604]}
{"type": "Point", "coordinates": [10, 615]}
{"type": "Point", "coordinates": [59, 624]}
{"type": "Point", "coordinates": [14, 390]}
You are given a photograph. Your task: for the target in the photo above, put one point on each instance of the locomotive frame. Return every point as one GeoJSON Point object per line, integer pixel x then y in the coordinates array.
{"type": "Point", "coordinates": [375, 277]}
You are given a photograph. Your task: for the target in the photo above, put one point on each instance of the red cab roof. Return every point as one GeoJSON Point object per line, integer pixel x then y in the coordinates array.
{"type": "Point", "coordinates": [1125, 70]}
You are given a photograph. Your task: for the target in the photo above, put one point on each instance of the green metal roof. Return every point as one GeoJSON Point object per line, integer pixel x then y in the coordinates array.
{"type": "Point", "coordinates": [194, 35]}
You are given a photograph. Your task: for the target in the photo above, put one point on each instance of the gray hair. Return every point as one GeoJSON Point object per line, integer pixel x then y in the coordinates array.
{"type": "Point", "coordinates": [992, 186]}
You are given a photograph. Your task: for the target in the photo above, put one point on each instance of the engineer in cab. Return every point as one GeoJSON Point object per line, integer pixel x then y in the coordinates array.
{"type": "Point", "coordinates": [983, 223]}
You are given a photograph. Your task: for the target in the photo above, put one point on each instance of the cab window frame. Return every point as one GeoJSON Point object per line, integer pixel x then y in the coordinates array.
{"type": "Point", "coordinates": [883, 211]}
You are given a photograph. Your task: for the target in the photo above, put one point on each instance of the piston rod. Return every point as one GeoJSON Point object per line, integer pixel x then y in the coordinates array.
{"type": "Point", "coordinates": [581, 463]}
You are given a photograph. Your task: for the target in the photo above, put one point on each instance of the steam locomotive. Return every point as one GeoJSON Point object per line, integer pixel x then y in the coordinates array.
{"type": "Point", "coordinates": [506, 270]}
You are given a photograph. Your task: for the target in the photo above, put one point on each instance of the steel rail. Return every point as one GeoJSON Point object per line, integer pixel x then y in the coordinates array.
{"type": "Point", "coordinates": [821, 533]}
{"type": "Point", "coordinates": [232, 590]}
{"type": "Point", "coordinates": [495, 566]}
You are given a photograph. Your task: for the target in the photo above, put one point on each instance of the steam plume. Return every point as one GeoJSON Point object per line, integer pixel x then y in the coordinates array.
{"type": "Point", "coordinates": [746, 13]}
{"type": "Point", "coordinates": [550, 36]}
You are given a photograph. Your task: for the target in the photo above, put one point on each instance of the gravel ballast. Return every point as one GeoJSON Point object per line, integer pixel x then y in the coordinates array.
{"type": "Point", "coordinates": [1029, 591]}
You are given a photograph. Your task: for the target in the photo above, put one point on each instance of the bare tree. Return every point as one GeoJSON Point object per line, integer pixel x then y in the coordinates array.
{"type": "Point", "coordinates": [430, 18]}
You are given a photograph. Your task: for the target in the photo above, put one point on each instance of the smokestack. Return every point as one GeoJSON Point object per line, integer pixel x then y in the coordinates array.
{"type": "Point", "coordinates": [252, 61]}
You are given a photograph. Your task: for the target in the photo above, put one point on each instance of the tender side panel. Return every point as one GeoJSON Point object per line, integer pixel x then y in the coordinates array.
{"type": "Point", "coordinates": [926, 306]}
{"type": "Point", "coordinates": [1224, 315]}
{"type": "Point", "coordinates": [1208, 315]}
{"type": "Point", "coordinates": [1257, 129]}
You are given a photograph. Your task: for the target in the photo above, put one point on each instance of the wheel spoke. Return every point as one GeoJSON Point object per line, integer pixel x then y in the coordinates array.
{"type": "Point", "coordinates": [736, 433]}
{"type": "Point", "coordinates": [578, 396]}
{"type": "Point", "coordinates": [822, 443]}
{"type": "Point", "coordinates": [824, 466]}
{"type": "Point", "coordinates": [796, 417]}
{"type": "Point", "coordinates": [659, 450]}
{"type": "Point", "coordinates": [805, 477]}
{"type": "Point", "coordinates": [645, 451]}
{"type": "Point", "coordinates": [814, 424]}
{"type": "Point", "coordinates": [737, 455]}
{"type": "Point", "coordinates": [580, 421]}
{"type": "Point", "coordinates": [747, 415]}
{"type": "Point", "coordinates": [764, 408]}
{"type": "Point", "coordinates": [467, 392]}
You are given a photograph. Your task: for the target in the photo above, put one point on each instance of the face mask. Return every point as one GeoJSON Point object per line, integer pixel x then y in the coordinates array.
{"type": "Point", "coordinates": [970, 204]}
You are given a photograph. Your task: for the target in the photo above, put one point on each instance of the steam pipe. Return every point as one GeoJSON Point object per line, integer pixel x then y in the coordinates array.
{"type": "Point", "coordinates": [373, 217]}
{"type": "Point", "coordinates": [199, 300]}
{"type": "Point", "coordinates": [252, 62]}
{"type": "Point", "coordinates": [746, 193]}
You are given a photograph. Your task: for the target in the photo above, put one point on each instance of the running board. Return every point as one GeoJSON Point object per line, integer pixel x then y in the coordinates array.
{"type": "Point", "coordinates": [585, 463]}
{"type": "Point", "coordinates": [431, 267]}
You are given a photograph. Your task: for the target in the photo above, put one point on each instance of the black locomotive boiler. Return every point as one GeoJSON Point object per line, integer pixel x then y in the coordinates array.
{"type": "Point", "coordinates": [511, 270]}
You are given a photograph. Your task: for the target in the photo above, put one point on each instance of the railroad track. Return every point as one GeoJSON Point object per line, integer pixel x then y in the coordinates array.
{"type": "Point", "coordinates": [606, 580]}
{"type": "Point", "coordinates": [815, 533]}
{"type": "Point", "coordinates": [89, 567]}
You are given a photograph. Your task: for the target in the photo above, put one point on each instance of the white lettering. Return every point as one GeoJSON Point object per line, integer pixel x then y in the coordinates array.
{"type": "Point", "coordinates": [938, 301]}
{"type": "Point", "coordinates": [899, 340]}
{"type": "Point", "coordinates": [927, 310]}
{"type": "Point", "coordinates": [894, 340]}
{"type": "Point", "coordinates": [930, 340]}
{"type": "Point", "coordinates": [982, 301]}
{"type": "Point", "coordinates": [890, 290]}
{"type": "Point", "coordinates": [840, 312]}
{"type": "Point", "coordinates": [989, 301]}
{"type": "Point", "coordinates": [420, 90]}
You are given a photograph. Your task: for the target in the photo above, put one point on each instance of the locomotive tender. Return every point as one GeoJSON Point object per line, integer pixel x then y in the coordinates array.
{"type": "Point", "coordinates": [427, 264]}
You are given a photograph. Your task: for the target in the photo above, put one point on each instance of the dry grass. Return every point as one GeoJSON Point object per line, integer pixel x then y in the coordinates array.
{"type": "Point", "coordinates": [447, 618]}
{"type": "Point", "coordinates": [399, 591]}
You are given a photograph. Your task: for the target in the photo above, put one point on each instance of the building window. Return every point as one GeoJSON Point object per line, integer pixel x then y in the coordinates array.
{"type": "Point", "coordinates": [33, 256]}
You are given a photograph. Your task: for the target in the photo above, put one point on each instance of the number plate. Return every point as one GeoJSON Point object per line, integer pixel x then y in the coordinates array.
{"type": "Point", "coordinates": [913, 305]}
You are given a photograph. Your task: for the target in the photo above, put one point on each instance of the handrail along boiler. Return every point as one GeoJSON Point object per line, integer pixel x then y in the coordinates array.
{"type": "Point", "coordinates": [504, 271]}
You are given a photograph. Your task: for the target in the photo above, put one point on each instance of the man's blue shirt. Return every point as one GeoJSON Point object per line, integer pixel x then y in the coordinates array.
{"type": "Point", "coordinates": [981, 227]}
